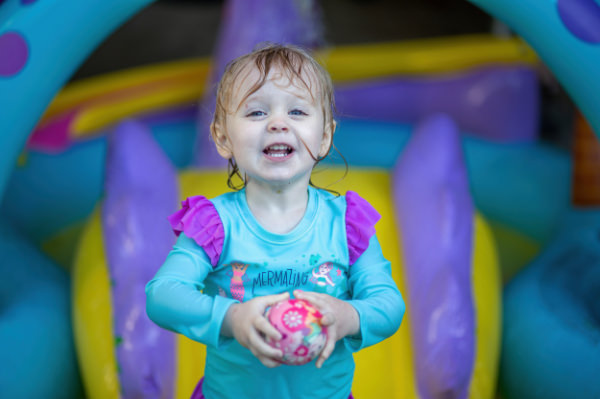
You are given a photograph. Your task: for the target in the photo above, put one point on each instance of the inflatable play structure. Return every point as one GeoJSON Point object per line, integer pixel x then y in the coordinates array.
{"type": "Point", "coordinates": [441, 136]}
{"type": "Point", "coordinates": [558, 295]}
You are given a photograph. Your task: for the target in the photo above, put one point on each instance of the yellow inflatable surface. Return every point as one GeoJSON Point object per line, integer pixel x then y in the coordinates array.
{"type": "Point", "coordinates": [423, 56]}
{"type": "Point", "coordinates": [92, 315]}
{"type": "Point", "coordinates": [384, 370]}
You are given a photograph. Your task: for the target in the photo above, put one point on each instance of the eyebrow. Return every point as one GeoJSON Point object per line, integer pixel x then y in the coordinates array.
{"type": "Point", "coordinates": [308, 98]}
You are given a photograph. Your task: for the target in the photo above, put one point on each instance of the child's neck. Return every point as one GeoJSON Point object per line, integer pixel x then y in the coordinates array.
{"type": "Point", "coordinates": [278, 209]}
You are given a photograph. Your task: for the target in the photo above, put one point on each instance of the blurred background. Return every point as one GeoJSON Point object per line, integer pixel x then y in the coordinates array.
{"type": "Point", "coordinates": [448, 119]}
{"type": "Point", "coordinates": [175, 29]}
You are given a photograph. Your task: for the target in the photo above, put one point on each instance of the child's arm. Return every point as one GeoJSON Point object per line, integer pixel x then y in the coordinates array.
{"type": "Point", "coordinates": [375, 297]}
{"type": "Point", "coordinates": [374, 312]}
{"type": "Point", "coordinates": [174, 300]}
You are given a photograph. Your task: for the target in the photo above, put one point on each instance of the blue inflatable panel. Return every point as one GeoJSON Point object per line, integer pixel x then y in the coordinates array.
{"type": "Point", "coordinates": [51, 192]}
{"type": "Point", "coordinates": [551, 319]}
{"type": "Point", "coordinates": [41, 45]}
{"type": "Point", "coordinates": [36, 344]}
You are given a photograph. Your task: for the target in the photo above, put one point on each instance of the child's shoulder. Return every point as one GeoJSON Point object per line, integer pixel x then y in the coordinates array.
{"type": "Point", "coordinates": [359, 218]}
{"type": "Point", "coordinates": [198, 211]}
{"type": "Point", "coordinates": [195, 213]}
{"type": "Point", "coordinates": [228, 196]}
{"type": "Point", "coordinates": [225, 199]}
{"type": "Point", "coordinates": [348, 201]}
{"type": "Point", "coordinates": [355, 209]}
{"type": "Point", "coordinates": [200, 221]}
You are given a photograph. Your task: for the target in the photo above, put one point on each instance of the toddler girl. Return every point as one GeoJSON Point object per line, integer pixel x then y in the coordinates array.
{"type": "Point", "coordinates": [241, 252]}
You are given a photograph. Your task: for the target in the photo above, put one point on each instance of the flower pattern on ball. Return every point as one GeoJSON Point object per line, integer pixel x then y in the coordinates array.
{"type": "Point", "coordinates": [301, 351]}
{"type": "Point", "coordinates": [294, 318]}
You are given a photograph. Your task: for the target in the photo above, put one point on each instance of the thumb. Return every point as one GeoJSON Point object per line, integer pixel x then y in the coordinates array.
{"type": "Point", "coordinates": [273, 299]}
{"type": "Point", "coordinates": [328, 319]}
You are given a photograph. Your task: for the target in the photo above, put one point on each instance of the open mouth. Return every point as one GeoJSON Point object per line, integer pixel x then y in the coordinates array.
{"type": "Point", "coordinates": [278, 150]}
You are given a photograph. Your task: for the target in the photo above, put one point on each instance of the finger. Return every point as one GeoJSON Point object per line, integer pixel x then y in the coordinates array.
{"type": "Point", "coordinates": [326, 352]}
{"type": "Point", "coordinates": [262, 325]}
{"type": "Point", "coordinates": [328, 319]}
{"type": "Point", "coordinates": [321, 302]}
{"type": "Point", "coordinates": [273, 299]}
{"type": "Point", "coordinates": [266, 360]}
{"type": "Point", "coordinates": [262, 349]}
{"type": "Point", "coordinates": [314, 298]}
{"type": "Point", "coordinates": [305, 294]}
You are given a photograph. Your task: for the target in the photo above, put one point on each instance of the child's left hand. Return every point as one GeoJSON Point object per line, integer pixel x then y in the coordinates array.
{"type": "Point", "coordinates": [339, 316]}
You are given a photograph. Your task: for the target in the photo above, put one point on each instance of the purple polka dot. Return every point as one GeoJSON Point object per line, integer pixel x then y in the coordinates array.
{"type": "Point", "coordinates": [13, 53]}
{"type": "Point", "coordinates": [581, 18]}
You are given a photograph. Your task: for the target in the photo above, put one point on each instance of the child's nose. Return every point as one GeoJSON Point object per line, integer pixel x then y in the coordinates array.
{"type": "Point", "coordinates": [277, 125]}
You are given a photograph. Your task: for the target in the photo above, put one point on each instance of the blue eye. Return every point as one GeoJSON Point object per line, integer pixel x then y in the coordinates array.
{"type": "Point", "coordinates": [297, 112]}
{"type": "Point", "coordinates": [255, 113]}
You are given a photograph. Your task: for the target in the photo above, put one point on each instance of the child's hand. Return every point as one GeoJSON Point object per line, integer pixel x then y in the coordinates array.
{"type": "Point", "coordinates": [247, 323]}
{"type": "Point", "coordinates": [339, 316]}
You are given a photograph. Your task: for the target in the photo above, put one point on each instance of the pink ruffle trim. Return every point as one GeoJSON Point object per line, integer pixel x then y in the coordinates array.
{"type": "Point", "coordinates": [360, 224]}
{"type": "Point", "coordinates": [200, 221]}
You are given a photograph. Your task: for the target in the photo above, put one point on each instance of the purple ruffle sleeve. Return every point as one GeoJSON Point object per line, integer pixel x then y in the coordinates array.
{"type": "Point", "coordinates": [200, 221]}
{"type": "Point", "coordinates": [360, 224]}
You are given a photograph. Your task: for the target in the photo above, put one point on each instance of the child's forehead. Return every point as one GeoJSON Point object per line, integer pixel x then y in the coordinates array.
{"type": "Point", "coordinates": [250, 76]}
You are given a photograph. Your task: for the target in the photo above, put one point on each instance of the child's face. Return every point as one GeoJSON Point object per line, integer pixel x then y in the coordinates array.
{"type": "Point", "coordinates": [268, 132]}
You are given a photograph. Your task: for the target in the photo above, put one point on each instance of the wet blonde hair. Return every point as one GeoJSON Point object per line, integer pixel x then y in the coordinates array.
{"type": "Point", "coordinates": [293, 61]}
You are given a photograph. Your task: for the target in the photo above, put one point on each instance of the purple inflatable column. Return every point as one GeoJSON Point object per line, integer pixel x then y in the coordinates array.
{"type": "Point", "coordinates": [245, 24]}
{"type": "Point", "coordinates": [141, 191]}
{"type": "Point", "coordinates": [435, 214]}
{"type": "Point", "coordinates": [498, 103]}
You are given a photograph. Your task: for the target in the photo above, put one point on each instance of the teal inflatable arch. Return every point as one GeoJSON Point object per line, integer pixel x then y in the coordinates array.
{"type": "Point", "coordinates": [566, 36]}
{"type": "Point", "coordinates": [43, 42]}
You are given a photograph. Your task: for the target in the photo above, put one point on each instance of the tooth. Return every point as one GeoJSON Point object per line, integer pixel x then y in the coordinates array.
{"type": "Point", "coordinates": [279, 147]}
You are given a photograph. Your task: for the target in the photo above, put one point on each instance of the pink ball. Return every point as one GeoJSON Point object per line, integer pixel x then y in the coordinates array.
{"type": "Point", "coordinates": [303, 336]}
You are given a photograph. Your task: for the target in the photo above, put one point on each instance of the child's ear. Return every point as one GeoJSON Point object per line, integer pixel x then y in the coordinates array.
{"type": "Point", "coordinates": [221, 141]}
{"type": "Point", "coordinates": [327, 138]}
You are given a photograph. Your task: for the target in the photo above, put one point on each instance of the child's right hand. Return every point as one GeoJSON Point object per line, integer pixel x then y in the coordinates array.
{"type": "Point", "coordinates": [246, 322]}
